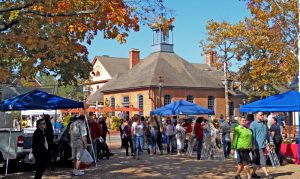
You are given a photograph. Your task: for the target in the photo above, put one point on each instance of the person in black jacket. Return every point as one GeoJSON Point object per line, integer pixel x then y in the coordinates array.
{"type": "Point", "coordinates": [105, 128]}
{"type": "Point", "coordinates": [49, 135]}
{"type": "Point", "coordinates": [40, 148]}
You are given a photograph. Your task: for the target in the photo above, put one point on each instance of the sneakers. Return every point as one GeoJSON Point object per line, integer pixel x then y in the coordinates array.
{"type": "Point", "coordinates": [254, 175]}
{"type": "Point", "coordinates": [237, 177]}
{"type": "Point", "coordinates": [270, 177]}
{"type": "Point", "coordinates": [78, 172]}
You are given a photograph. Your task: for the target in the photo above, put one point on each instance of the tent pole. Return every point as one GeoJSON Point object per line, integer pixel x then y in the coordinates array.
{"type": "Point", "coordinates": [9, 141]}
{"type": "Point", "coordinates": [90, 137]}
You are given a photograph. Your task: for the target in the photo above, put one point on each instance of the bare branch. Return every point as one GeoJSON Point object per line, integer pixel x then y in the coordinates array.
{"type": "Point", "coordinates": [64, 14]}
{"type": "Point", "coordinates": [16, 8]}
{"type": "Point", "coordinates": [4, 26]}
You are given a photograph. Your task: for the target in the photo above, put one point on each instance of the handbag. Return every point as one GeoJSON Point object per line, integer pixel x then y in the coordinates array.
{"type": "Point", "coordinates": [85, 157]}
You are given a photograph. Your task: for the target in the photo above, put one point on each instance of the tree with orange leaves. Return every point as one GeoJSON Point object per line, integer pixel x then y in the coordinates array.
{"type": "Point", "coordinates": [38, 36]}
{"type": "Point", "coordinates": [266, 44]}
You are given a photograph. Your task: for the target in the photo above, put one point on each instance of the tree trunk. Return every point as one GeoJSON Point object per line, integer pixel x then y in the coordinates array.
{"type": "Point", "coordinates": [226, 88]}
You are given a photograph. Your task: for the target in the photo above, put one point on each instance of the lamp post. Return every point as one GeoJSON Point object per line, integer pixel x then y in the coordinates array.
{"type": "Point", "coordinates": [160, 84]}
{"type": "Point", "coordinates": [244, 102]}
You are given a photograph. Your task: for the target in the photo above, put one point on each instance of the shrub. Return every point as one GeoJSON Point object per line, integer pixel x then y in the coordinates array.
{"type": "Point", "coordinates": [66, 120]}
{"type": "Point", "coordinates": [116, 122]}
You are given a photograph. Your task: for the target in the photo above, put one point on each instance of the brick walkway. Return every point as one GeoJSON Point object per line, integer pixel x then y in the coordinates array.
{"type": "Point", "coordinates": [165, 166]}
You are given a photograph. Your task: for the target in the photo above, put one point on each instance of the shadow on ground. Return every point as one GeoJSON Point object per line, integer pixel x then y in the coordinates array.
{"type": "Point", "coordinates": [158, 166]}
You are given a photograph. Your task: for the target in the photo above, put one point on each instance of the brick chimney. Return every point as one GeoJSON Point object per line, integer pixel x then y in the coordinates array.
{"type": "Point", "coordinates": [210, 58]}
{"type": "Point", "coordinates": [134, 57]}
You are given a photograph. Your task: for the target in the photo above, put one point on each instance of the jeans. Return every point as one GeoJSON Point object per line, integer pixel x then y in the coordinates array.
{"type": "Point", "coordinates": [199, 148]}
{"type": "Point", "coordinates": [226, 148]}
{"type": "Point", "coordinates": [139, 141]}
{"type": "Point", "coordinates": [95, 149]}
{"type": "Point", "coordinates": [171, 143]}
{"type": "Point", "coordinates": [152, 143]}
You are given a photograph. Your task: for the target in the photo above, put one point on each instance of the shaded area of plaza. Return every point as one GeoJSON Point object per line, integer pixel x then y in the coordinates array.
{"type": "Point", "coordinates": [157, 166]}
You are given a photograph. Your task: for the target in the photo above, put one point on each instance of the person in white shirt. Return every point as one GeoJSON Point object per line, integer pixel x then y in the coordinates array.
{"type": "Point", "coordinates": [270, 119]}
{"type": "Point", "coordinates": [137, 130]}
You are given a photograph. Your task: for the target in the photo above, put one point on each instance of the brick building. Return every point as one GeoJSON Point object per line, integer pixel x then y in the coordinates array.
{"type": "Point", "coordinates": [164, 77]}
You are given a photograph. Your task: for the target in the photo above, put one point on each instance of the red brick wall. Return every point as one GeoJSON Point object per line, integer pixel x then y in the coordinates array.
{"type": "Point", "coordinates": [151, 98]}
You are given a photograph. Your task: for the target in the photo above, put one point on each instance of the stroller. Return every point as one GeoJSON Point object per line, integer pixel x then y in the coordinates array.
{"type": "Point", "coordinates": [103, 151]}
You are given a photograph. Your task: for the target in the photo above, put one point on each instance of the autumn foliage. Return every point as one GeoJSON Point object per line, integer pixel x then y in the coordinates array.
{"type": "Point", "coordinates": [265, 44]}
{"type": "Point", "coordinates": [38, 36]}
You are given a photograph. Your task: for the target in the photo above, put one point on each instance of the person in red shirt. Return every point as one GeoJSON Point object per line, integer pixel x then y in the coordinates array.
{"type": "Point", "coordinates": [96, 131]}
{"type": "Point", "coordinates": [188, 131]}
{"type": "Point", "coordinates": [198, 130]}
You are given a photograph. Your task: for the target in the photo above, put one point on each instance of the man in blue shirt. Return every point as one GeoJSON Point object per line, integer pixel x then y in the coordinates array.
{"type": "Point", "coordinates": [260, 135]}
{"type": "Point", "coordinates": [226, 140]}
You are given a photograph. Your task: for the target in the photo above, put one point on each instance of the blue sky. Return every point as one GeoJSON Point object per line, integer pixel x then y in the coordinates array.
{"type": "Point", "coordinates": [191, 17]}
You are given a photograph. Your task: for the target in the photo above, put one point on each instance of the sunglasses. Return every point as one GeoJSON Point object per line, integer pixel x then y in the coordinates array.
{"type": "Point", "coordinates": [42, 123]}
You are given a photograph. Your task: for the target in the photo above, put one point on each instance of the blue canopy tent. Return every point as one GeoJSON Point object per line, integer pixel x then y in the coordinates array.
{"type": "Point", "coordinates": [285, 102]}
{"type": "Point", "coordinates": [35, 100]}
{"type": "Point", "coordinates": [181, 107]}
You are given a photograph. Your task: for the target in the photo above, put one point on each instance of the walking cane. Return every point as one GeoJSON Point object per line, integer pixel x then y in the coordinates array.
{"type": "Point", "coordinates": [109, 140]}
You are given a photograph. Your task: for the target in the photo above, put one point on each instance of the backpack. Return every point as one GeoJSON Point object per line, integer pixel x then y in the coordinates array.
{"type": "Point", "coordinates": [75, 129]}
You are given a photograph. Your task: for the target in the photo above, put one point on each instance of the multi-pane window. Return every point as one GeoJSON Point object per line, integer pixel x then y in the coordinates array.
{"type": "Point", "coordinates": [167, 99]}
{"type": "Point", "coordinates": [113, 105]}
{"type": "Point", "coordinates": [211, 103]}
{"type": "Point", "coordinates": [190, 98]}
{"type": "Point", "coordinates": [231, 108]}
{"type": "Point", "coordinates": [125, 101]}
{"type": "Point", "coordinates": [141, 104]}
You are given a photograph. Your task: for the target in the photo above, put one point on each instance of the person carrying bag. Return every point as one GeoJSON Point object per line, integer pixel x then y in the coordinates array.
{"type": "Point", "coordinates": [86, 158]}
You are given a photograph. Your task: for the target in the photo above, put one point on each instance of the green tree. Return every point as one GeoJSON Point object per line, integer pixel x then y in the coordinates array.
{"type": "Point", "coordinates": [68, 91]}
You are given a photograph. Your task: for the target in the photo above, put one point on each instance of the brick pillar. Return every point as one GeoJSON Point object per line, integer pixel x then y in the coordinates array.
{"type": "Point", "coordinates": [134, 57]}
{"type": "Point", "coordinates": [210, 58]}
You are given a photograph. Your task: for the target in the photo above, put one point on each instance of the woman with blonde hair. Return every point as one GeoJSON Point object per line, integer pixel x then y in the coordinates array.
{"type": "Point", "coordinates": [180, 136]}
{"type": "Point", "coordinates": [242, 142]}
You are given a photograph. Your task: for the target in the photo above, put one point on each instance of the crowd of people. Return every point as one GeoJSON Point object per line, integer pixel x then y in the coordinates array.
{"type": "Point", "coordinates": [252, 138]}
{"type": "Point", "coordinates": [245, 138]}
{"type": "Point", "coordinates": [211, 138]}
{"type": "Point", "coordinates": [73, 140]}
{"type": "Point", "coordinates": [171, 136]}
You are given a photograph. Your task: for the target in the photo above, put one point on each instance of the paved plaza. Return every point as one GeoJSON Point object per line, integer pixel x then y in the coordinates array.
{"type": "Point", "coordinates": [158, 166]}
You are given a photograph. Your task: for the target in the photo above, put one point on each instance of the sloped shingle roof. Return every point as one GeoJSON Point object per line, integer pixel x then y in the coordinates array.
{"type": "Point", "coordinates": [176, 72]}
{"type": "Point", "coordinates": [218, 74]}
{"type": "Point", "coordinates": [10, 92]}
{"type": "Point", "coordinates": [114, 65]}
{"type": "Point", "coordinates": [97, 96]}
